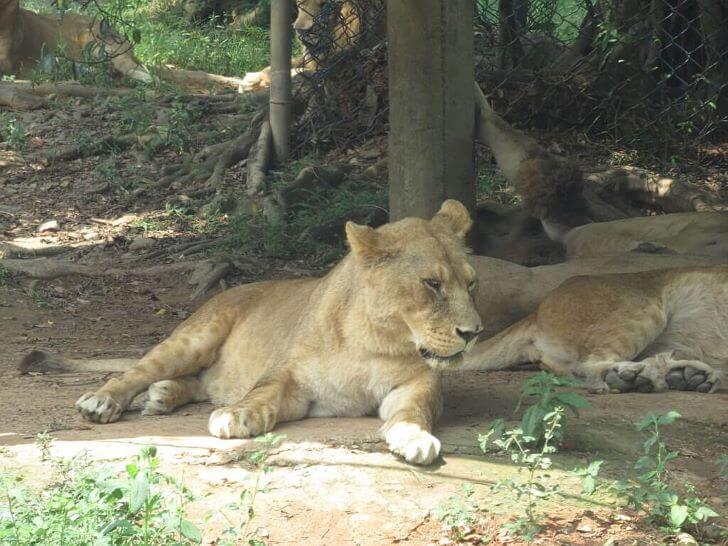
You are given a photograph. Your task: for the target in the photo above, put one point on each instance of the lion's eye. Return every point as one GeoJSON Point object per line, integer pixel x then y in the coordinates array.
{"type": "Point", "coordinates": [471, 286]}
{"type": "Point", "coordinates": [433, 285]}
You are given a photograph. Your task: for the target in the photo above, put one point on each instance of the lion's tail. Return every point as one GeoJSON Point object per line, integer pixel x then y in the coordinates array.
{"type": "Point", "coordinates": [549, 185]}
{"type": "Point", "coordinates": [40, 361]}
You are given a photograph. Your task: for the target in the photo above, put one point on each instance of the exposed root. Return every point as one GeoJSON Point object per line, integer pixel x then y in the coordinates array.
{"type": "Point", "coordinates": [259, 160]}
{"type": "Point", "coordinates": [23, 95]}
{"type": "Point", "coordinates": [207, 275]}
{"type": "Point", "coordinates": [48, 269]}
{"type": "Point", "coordinates": [207, 167]}
{"type": "Point", "coordinates": [111, 142]}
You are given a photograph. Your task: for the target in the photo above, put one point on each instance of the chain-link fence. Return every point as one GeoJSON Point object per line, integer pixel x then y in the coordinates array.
{"type": "Point", "coordinates": [649, 72]}
{"type": "Point", "coordinates": [343, 94]}
{"type": "Point", "coordinates": [654, 71]}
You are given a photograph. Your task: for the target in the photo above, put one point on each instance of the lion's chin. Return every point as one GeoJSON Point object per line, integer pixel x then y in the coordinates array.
{"type": "Point", "coordinates": [438, 362]}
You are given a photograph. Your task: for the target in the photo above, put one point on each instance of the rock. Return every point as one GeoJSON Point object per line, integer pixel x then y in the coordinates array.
{"type": "Point", "coordinates": [50, 225]}
{"type": "Point", "coordinates": [142, 243]}
{"type": "Point", "coordinates": [686, 539]}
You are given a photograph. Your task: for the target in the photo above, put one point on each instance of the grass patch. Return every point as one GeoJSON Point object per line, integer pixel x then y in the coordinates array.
{"type": "Point", "coordinates": [165, 37]}
{"type": "Point", "coordinates": [315, 226]}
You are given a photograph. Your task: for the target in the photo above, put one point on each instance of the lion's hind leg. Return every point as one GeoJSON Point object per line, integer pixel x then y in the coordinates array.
{"type": "Point", "coordinates": [656, 373]}
{"type": "Point", "coordinates": [169, 394]}
{"type": "Point", "coordinates": [191, 348]}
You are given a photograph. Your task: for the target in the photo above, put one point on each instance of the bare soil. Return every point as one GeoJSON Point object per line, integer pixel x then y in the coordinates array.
{"type": "Point", "coordinates": [333, 480]}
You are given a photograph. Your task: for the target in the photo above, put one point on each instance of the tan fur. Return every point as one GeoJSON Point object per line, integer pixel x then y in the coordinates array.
{"type": "Point", "coordinates": [645, 331]}
{"type": "Point", "coordinates": [344, 28]}
{"type": "Point", "coordinates": [367, 336]}
{"type": "Point", "coordinates": [696, 233]}
{"type": "Point", "coordinates": [549, 184]}
{"type": "Point", "coordinates": [25, 37]}
{"type": "Point", "coordinates": [553, 191]}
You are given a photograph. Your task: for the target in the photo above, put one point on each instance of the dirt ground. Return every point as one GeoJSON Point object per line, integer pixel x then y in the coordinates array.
{"type": "Point", "coordinates": [333, 480]}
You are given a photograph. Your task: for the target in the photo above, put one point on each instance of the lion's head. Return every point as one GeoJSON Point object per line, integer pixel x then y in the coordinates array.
{"type": "Point", "coordinates": [418, 282]}
{"type": "Point", "coordinates": [325, 27]}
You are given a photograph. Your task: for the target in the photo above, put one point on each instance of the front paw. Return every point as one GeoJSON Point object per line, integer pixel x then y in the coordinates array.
{"type": "Point", "coordinates": [416, 445]}
{"type": "Point", "coordinates": [236, 422]}
{"type": "Point", "coordinates": [99, 408]}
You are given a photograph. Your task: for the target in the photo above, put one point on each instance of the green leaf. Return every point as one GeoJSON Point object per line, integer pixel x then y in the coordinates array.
{"type": "Point", "coordinates": [573, 400]}
{"type": "Point", "coordinates": [705, 512]}
{"type": "Point", "coordinates": [588, 485]}
{"type": "Point", "coordinates": [190, 531]}
{"type": "Point", "coordinates": [139, 492]}
{"type": "Point", "coordinates": [678, 515]}
{"type": "Point", "coordinates": [668, 418]}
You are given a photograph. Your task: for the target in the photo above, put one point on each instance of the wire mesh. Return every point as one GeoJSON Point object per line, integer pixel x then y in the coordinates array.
{"type": "Point", "coordinates": [638, 72]}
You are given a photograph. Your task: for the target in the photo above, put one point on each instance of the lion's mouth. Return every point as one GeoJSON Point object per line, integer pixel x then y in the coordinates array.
{"type": "Point", "coordinates": [429, 355]}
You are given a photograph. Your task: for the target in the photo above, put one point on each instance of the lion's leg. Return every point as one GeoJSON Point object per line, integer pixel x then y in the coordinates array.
{"type": "Point", "coordinates": [169, 394]}
{"type": "Point", "coordinates": [190, 349]}
{"type": "Point", "coordinates": [276, 399]}
{"type": "Point", "coordinates": [409, 413]}
{"type": "Point", "coordinates": [653, 374]}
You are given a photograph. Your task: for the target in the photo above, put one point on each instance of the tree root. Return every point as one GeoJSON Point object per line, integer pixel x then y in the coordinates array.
{"type": "Point", "coordinates": [23, 95]}
{"type": "Point", "coordinates": [208, 166]}
{"type": "Point", "coordinates": [48, 269]}
{"type": "Point", "coordinates": [259, 160]}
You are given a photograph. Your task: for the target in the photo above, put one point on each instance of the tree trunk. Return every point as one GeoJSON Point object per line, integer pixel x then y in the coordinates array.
{"type": "Point", "coordinates": [431, 114]}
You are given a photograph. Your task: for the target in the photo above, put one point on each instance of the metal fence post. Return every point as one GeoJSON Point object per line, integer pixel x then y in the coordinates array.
{"type": "Point", "coordinates": [280, 77]}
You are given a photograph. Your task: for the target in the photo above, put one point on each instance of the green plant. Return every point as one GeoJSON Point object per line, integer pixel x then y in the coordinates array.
{"type": "Point", "coordinates": [459, 513]}
{"type": "Point", "coordinates": [652, 492]}
{"type": "Point", "coordinates": [547, 399]}
{"type": "Point", "coordinates": [87, 504]}
{"type": "Point", "coordinates": [15, 133]}
{"type": "Point", "coordinates": [532, 489]}
{"type": "Point", "coordinates": [39, 299]}
{"type": "Point", "coordinates": [239, 527]}
{"type": "Point", "coordinates": [588, 475]}
{"type": "Point", "coordinates": [4, 275]}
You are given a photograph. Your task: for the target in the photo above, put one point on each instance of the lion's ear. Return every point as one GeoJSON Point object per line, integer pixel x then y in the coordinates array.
{"type": "Point", "coordinates": [454, 215]}
{"type": "Point", "coordinates": [366, 243]}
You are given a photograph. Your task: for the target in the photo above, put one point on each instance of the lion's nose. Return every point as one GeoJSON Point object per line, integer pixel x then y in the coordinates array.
{"type": "Point", "coordinates": [467, 335]}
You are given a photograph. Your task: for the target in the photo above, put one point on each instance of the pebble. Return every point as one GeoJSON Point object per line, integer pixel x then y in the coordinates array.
{"type": "Point", "coordinates": [142, 243]}
{"type": "Point", "coordinates": [50, 225]}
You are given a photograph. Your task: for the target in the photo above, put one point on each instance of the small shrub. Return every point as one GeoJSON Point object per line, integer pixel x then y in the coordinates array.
{"type": "Point", "coordinates": [652, 492]}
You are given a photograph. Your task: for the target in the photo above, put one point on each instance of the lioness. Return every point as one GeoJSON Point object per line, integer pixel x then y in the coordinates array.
{"type": "Point", "coordinates": [370, 334]}
{"type": "Point", "coordinates": [25, 37]}
{"type": "Point", "coordinates": [323, 29]}
{"type": "Point", "coordinates": [646, 331]}
{"type": "Point", "coordinates": [554, 191]}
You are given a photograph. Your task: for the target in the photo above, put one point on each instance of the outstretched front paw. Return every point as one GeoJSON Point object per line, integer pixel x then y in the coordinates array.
{"type": "Point", "coordinates": [99, 408]}
{"type": "Point", "coordinates": [237, 422]}
{"type": "Point", "coordinates": [410, 441]}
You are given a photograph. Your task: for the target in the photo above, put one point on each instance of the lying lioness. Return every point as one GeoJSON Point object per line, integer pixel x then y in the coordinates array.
{"type": "Point", "coordinates": [367, 336]}
{"type": "Point", "coordinates": [25, 37]}
{"type": "Point", "coordinates": [646, 331]}
{"type": "Point", "coordinates": [696, 233]}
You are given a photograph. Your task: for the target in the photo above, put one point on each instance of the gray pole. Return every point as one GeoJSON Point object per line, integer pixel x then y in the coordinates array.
{"type": "Point", "coordinates": [431, 107]}
{"type": "Point", "coordinates": [280, 77]}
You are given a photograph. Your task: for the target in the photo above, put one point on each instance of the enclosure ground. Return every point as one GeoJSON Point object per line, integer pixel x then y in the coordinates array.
{"type": "Point", "coordinates": [333, 482]}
